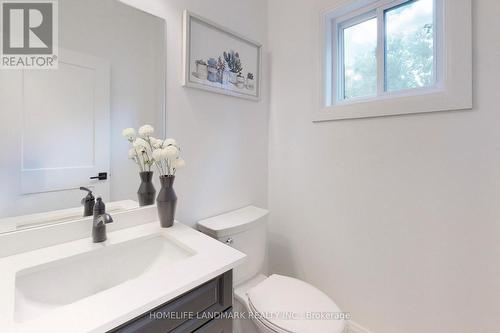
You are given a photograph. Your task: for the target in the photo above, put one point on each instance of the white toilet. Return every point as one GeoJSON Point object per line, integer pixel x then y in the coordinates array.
{"type": "Point", "coordinates": [275, 304]}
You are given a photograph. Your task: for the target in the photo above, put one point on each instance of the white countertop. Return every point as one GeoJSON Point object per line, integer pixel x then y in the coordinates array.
{"type": "Point", "coordinates": [115, 306]}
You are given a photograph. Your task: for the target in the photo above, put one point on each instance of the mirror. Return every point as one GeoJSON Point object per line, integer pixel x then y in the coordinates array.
{"type": "Point", "coordinates": [63, 127]}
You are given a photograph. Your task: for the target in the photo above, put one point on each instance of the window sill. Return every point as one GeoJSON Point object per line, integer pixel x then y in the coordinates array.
{"type": "Point", "coordinates": [436, 101]}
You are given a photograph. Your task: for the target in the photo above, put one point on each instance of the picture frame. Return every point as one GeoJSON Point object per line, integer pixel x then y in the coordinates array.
{"type": "Point", "coordinates": [219, 60]}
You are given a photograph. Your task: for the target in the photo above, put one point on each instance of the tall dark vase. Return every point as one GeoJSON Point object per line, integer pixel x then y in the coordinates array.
{"type": "Point", "coordinates": [166, 201]}
{"type": "Point", "coordinates": [146, 193]}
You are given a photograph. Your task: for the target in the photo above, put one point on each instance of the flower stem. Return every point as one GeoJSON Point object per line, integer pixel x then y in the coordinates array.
{"type": "Point", "coordinates": [158, 165]}
{"type": "Point", "coordinates": [138, 160]}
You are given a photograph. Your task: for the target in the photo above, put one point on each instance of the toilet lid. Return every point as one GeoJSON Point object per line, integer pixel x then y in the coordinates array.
{"type": "Point", "coordinates": [290, 305]}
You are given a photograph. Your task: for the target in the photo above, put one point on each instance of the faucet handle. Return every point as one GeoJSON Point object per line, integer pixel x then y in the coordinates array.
{"type": "Point", "coordinates": [85, 189]}
{"type": "Point", "coordinates": [89, 197]}
{"type": "Point", "coordinates": [102, 220]}
{"type": "Point", "coordinates": [88, 202]}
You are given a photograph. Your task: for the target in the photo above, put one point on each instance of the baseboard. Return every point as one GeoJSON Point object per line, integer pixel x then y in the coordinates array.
{"type": "Point", "coordinates": [352, 327]}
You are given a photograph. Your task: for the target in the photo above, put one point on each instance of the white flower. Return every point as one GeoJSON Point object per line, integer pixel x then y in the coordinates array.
{"type": "Point", "coordinates": [159, 155]}
{"type": "Point", "coordinates": [170, 142]}
{"type": "Point", "coordinates": [171, 152]}
{"type": "Point", "coordinates": [132, 153]}
{"type": "Point", "coordinates": [156, 143]}
{"type": "Point", "coordinates": [129, 133]}
{"type": "Point", "coordinates": [179, 163]}
{"type": "Point", "coordinates": [146, 131]}
{"type": "Point", "coordinates": [140, 144]}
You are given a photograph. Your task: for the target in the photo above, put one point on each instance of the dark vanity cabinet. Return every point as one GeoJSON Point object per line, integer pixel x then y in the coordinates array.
{"type": "Point", "coordinates": [205, 309]}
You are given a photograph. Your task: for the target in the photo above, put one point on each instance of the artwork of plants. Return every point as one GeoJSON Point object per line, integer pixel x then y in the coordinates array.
{"type": "Point", "coordinates": [226, 69]}
{"type": "Point", "coordinates": [219, 60]}
{"type": "Point", "coordinates": [233, 61]}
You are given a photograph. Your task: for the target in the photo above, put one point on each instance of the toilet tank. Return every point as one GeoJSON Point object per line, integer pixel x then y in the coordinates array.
{"type": "Point", "coordinates": [244, 230]}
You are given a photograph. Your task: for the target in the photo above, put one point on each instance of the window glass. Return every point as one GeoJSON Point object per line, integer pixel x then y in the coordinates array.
{"type": "Point", "coordinates": [360, 59]}
{"type": "Point", "coordinates": [409, 47]}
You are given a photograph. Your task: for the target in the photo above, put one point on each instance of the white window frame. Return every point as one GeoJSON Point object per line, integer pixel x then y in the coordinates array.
{"type": "Point", "coordinates": [452, 89]}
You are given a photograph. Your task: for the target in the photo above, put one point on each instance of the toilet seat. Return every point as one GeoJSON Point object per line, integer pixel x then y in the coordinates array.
{"type": "Point", "coordinates": [266, 326]}
{"type": "Point", "coordinates": [287, 305]}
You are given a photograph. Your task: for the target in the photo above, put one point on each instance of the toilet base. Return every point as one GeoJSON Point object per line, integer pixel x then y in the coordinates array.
{"type": "Point", "coordinates": [243, 323]}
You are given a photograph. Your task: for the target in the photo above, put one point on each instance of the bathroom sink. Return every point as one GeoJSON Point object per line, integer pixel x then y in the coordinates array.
{"type": "Point", "coordinates": [46, 287]}
{"type": "Point", "coordinates": [82, 287]}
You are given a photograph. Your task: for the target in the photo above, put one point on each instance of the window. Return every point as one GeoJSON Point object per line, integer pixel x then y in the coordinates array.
{"type": "Point", "coordinates": [408, 51]}
{"type": "Point", "coordinates": [385, 57]}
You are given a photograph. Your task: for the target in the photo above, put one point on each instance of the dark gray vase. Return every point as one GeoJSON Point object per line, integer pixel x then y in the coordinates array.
{"type": "Point", "coordinates": [146, 192]}
{"type": "Point", "coordinates": [166, 201]}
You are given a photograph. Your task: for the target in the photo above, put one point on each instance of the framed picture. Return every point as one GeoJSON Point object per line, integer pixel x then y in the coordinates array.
{"type": "Point", "coordinates": [219, 60]}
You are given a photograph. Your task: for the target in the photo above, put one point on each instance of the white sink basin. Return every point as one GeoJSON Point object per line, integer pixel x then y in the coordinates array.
{"type": "Point", "coordinates": [55, 284]}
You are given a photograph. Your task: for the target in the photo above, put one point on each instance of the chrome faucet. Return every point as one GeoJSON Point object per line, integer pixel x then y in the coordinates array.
{"type": "Point", "coordinates": [100, 221]}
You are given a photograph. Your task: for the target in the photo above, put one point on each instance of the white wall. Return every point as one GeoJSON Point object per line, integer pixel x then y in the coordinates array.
{"type": "Point", "coordinates": [396, 218]}
{"type": "Point", "coordinates": [223, 139]}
